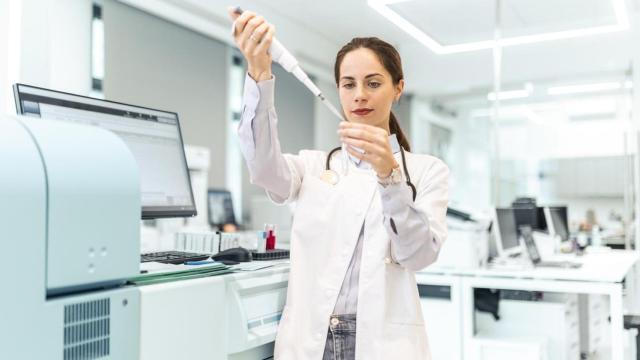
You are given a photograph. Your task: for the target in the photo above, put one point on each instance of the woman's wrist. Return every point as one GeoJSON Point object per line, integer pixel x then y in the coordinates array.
{"type": "Point", "coordinates": [385, 173]}
{"type": "Point", "coordinates": [258, 75]}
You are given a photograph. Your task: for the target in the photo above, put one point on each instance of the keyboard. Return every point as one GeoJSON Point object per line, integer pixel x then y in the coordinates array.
{"type": "Point", "coordinates": [172, 257]}
{"type": "Point", "coordinates": [559, 264]}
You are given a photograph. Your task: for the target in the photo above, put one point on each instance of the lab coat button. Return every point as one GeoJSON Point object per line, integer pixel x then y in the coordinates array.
{"type": "Point", "coordinates": [387, 260]}
{"type": "Point", "coordinates": [335, 321]}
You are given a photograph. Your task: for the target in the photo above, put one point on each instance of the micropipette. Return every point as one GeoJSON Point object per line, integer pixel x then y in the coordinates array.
{"type": "Point", "coordinates": [283, 57]}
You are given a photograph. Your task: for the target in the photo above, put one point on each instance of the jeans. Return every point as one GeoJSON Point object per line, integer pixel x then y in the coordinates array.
{"type": "Point", "coordinates": [341, 338]}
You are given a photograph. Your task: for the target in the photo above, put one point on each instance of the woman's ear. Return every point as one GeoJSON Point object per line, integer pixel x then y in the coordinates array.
{"type": "Point", "coordinates": [399, 89]}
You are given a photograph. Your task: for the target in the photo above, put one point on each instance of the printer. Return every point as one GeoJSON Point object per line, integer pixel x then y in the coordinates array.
{"type": "Point", "coordinates": [69, 216]}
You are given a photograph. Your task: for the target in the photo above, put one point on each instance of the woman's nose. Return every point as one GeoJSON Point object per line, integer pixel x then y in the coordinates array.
{"type": "Point", "coordinates": [360, 94]}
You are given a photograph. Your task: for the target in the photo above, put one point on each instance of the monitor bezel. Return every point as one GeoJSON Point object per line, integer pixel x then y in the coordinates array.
{"type": "Point", "coordinates": [146, 212]}
{"type": "Point", "coordinates": [514, 251]}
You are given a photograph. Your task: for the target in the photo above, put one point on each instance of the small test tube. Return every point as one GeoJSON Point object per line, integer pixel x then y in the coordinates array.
{"type": "Point", "coordinates": [270, 229]}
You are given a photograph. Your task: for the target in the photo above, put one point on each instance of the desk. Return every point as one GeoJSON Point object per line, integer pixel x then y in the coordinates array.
{"type": "Point", "coordinates": [601, 273]}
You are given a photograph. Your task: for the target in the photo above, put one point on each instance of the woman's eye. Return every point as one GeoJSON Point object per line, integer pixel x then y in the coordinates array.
{"type": "Point", "coordinates": [347, 86]}
{"type": "Point", "coordinates": [374, 84]}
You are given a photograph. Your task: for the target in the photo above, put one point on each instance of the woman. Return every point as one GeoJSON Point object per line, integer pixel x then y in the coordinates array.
{"type": "Point", "coordinates": [355, 242]}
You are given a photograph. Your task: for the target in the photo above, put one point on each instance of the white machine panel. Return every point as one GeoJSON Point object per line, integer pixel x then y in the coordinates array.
{"type": "Point", "coordinates": [184, 320]}
{"type": "Point", "coordinates": [44, 228]}
{"type": "Point", "coordinates": [92, 183]}
{"type": "Point", "coordinates": [256, 302]}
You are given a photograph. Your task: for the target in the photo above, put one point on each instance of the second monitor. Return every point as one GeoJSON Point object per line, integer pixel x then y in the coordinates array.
{"type": "Point", "coordinates": [220, 205]}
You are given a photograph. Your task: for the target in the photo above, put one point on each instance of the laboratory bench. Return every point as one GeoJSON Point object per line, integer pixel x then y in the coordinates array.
{"type": "Point", "coordinates": [605, 285]}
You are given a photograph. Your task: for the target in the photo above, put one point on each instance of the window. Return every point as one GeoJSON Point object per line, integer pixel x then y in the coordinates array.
{"type": "Point", "coordinates": [97, 52]}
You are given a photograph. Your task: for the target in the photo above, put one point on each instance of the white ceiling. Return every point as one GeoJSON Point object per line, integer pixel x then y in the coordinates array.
{"type": "Point", "coordinates": [335, 22]}
{"type": "Point", "coordinates": [460, 21]}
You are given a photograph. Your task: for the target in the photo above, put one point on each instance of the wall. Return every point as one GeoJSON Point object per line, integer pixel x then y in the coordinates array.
{"type": "Point", "coordinates": [55, 44]}
{"type": "Point", "coordinates": [44, 43]}
{"type": "Point", "coordinates": [468, 156]}
{"type": "Point", "coordinates": [4, 55]}
{"type": "Point", "coordinates": [154, 63]}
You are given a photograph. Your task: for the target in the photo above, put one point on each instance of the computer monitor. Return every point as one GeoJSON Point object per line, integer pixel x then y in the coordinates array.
{"type": "Point", "coordinates": [220, 207]}
{"type": "Point", "coordinates": [153, 136]}
{"type": "Point", "coordinates": [557, 221]}
{"type": "Point", "coordinates": [506, 233]}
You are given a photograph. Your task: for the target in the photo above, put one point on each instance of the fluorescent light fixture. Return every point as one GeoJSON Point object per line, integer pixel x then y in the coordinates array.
{"type": "Point", "coordinates": [507, 112]}
{"type": "Point", "coordinates": [517, 112]}
{"type": "Point", "coordinates": [381, 6]}
{"type": "Point", "coordinates": [512, 94]}
{"type": "Point", "coordinates": [507, 95]}
{"type": "Point", "coordinates": [583, 88]}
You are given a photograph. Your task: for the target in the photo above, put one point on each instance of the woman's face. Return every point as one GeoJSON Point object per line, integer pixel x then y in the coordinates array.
{"type": "Point", "coordinates": [366, 89]}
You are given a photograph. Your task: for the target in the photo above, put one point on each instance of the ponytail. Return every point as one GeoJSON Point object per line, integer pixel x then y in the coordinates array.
{"type": "Point", "coordinates": [394, 128]}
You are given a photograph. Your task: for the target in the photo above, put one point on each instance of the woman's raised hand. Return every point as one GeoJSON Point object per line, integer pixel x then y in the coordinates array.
{"type": "Point", "coordinates": [374, 141]}
{"type": "Point", "coordinates": [253, 36]}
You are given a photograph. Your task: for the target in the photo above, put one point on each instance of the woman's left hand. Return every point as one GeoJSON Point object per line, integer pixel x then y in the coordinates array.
{"type": "Point", "coordinates": [375, 143]}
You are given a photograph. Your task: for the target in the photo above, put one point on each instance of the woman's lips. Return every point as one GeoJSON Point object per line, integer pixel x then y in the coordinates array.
{"type": "Point", "coordinates": [362, 112]}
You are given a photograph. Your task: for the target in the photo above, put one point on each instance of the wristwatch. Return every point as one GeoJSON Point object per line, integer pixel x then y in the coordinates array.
{"type": "Point", "coordinates": [394, 178]}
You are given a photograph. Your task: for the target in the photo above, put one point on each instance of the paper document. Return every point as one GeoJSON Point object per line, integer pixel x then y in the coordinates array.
{"type": "Point", "coordinates": [159, 272]}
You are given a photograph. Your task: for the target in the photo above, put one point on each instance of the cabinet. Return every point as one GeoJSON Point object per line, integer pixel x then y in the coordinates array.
{"type": "Point", "coordinates": [586, 177]}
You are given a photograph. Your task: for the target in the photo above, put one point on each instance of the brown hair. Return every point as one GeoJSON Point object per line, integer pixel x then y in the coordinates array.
{"type": "Point", "coordinates": [391, 61]}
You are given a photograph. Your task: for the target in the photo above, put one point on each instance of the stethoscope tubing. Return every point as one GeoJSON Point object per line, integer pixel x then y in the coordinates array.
{"type": "Point", "coordinates": [404, 168]}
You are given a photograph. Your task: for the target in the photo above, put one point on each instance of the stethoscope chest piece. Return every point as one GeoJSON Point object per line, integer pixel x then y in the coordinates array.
{"type": "Point", "coordinates": [329, 176]}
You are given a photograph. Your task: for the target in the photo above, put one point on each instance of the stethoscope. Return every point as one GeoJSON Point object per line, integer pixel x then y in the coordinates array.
{"type": "Point", "coordinates": [332, 177]}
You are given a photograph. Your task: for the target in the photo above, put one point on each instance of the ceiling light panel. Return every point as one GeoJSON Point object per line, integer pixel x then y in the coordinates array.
{"type": "Point", "coordinates": [583, 88]}
{"type": "Point", "coordinates": [451, 26]}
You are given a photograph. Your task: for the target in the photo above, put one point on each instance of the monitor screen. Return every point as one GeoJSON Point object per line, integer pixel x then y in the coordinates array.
{"type": "Point", "coordinates": [526, 216]}
{"type": "Point", "coordinates": [560, 221]}
{"type": "Point", "coordinates": [153, 136]}
{"type": "Point", "coordinates": [508, 229]}
{"type": "Point", "coordinates": [220, 208]}
{"type": "Point", "coordinates": [542, 221]}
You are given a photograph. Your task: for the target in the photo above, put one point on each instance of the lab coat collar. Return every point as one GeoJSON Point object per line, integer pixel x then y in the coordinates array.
{"type": "Point", "coordinates": [395, 147]}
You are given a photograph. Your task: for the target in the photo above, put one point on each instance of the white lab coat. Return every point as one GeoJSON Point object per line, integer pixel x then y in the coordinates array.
{"type": "Point", "coordinates": [326, 226]}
